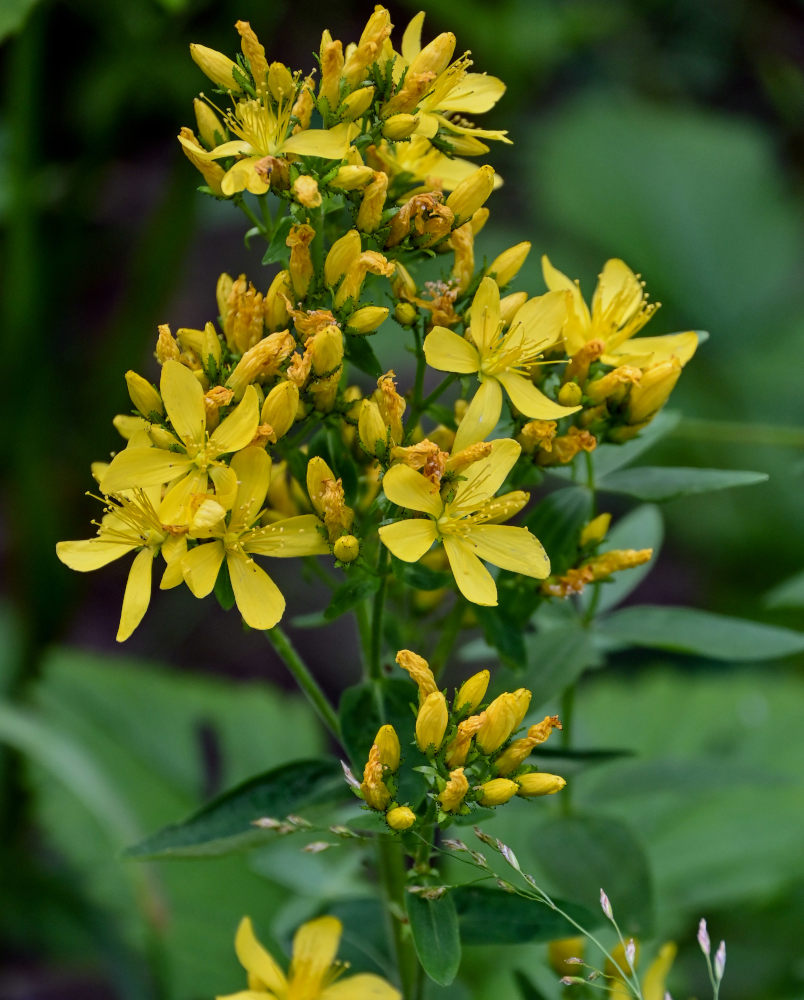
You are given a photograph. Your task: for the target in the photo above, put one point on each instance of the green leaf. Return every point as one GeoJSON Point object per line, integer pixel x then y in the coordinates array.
{"type": "Point", "coordinates": [356, 589]}
{"type": "Point", "coordinates": [13, 14]}
{"type": "Point", "coordinates": [225, 824]}
{"type": "Point", "coordinates": [493, 916]}
{"type": "Point", "coordinates": [434, 924]}
{"type": "Point", "coordinates": [657, 484]}
{"type": "Point", "coordinates": [361, 354]}
{"type": "Point", "coordinates": [788, 594]}
{"type": "Point", "coordinates": [582, 854]}
{"type": "Point", "coordinates": [278, 252]}
{"type": "Point", "coordinates": [527, 990]}
{"type": "Point", "coordinates": [557, 523]}
{"type": "Point", "coordinates": [556, 658]}
{"type": "Point", "coordinates": [642, 528]}
{"type": "Point", "coordinates": [504, 634]}
{"type": "Point", "coordinates": [701, 633]}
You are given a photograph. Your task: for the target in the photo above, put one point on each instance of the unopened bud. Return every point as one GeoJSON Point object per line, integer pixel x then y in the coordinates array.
{"type": "Point", "coordinates": [367, 319]}
{"type": "Point", "coordinates": [434, 58]}
{"type": "Point", "coordinates": [280, 408]}
{"type": "Point", "coordinates": [327, 350]}
{"type": "Point", "coordinates": [372, 430]}
{"type": "Point", "coordinates": [471, 692]}
{"type": "Point", "coordinates": [387, 744]}
{"type": "Point", "coordinates": [342, 254]}
{"type": "Point", "coordinates": [497, 791]}
{"type": "Point", "coordinates": [650, 394]}
{"type": "Point", "coordinates": [368, 48]}
{"type": "Point", "coordinates": [539, 783]}
{"type": "Point", "coordinates": [431, 722]}
{"type": "Point", "coordinates": [215, 65]}
{"type": "Point", "coordinates": [405, 313]}
{"type": "Point", "coordinates": [523, 697]}
{"type": "Point", "coordinates": [703, 937]}
{"type": "Point", "coordinates": [501, 716]}
{"type": "Point", "coordinates": [356, 104]}
{"type": "Point", "coordinates": [275, 309]}
{"type": "Point", "coordinates": [400, 818]}
{"type": "Point", "coordinates": [720, 960]}
{"type": "Point", "coordinates": [346, 548]}
{"type": "Point", "coordinates": [402, 284]}
{"type": "Point", "coordinates": [510, 305]}
{"type": "Point", "coordinates": [399, 127]}
{"type": "Point", "coordinates": [507, 265]}
{"type": "Point", "coordinates": [210, 127]}
{"type": "Point", "coordinates": [143, 395]}
{"type": "Point", "coordinates": [471, 193]}
{"type": "Point", "coordinates": [280, 82]}
{"type": "Point", "coordinates": [595, 531]}
{"type": "Point", "coordinates": [605, 905]}
{"type": "Point", "coordinates": [350, 178]}
{"type": "Point", "coordinates": [570, 394]}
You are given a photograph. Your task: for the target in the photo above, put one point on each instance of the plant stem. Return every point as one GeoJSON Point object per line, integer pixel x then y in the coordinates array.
{"type": "Point", "coordinates": [448, 628]}
{"type": "Point", "coordinates": [416, 411]}
{"type": "Point", "coordinates": [301, 673]}
{"type": "Point", "coordinates": [375, 653]}
{"type": "Point", "coordinates": [390, 861]}
{"type": "Point", "coordinates": [240, 201]}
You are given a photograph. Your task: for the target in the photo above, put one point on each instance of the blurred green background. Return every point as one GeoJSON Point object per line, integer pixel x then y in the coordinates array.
{"type": "Point", "coordinates": [667, 132]}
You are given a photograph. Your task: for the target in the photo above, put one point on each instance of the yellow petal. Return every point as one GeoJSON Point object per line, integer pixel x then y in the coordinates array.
{"type": "Point", "coordinates": [428, 127]}
{"type": "Point", "coordinates": [412, 38]}
{"type": "Point", "coordinates": [184, 402]}
{"type": "Point", "coordinates": [482, 479]}
{"type": "Point", "coordinates": [91, 553]}
{"type": "Point", "coordinates": [239, 428]}
{"type": "Point", "coordinates": [508, 547]}
{"type": "Point", "coordinates": [175, 508]}
{"type": "Point", "coordinates": [293, 536]}
{"type": "Point", "coordinates": [252, 466]}
{"type": "Point", "coordinates": [577, 328]}
{"type": "Point", "coordinates": [475, 94]}
{"type": "Point", "coordinates": [172, 576]}
{"type": "Point", "coordinates": [485, 323]}
{"type": "Point", "coordinates": [138, 593]}
{"type": "Point", "coordinates": [642, 351]}
{"type": "Point", "coordinates": [258, 598]}
{"type": "Point", "coordinates": [409, 539]}
{"type": "Point", "coordinates": [242, 176]}
{"type": "Point", "coordinates": [134, 467]}
{"type": "Point", "coordinates": [315, 945]}
{"type": "Point", "coordinates": [235, 147]}
{"type": "Point", "coordinates": [200, 567]}
{"type": "Point", "coordinates": [407, 488]}
{"type": "Point", "coordinates": [654, 979]}
{"type": "Point", "coordinates": [617, 281]}
{"type": "Point", "coordinates": [540, 320]}
{"type": "Point", "coordinates": [256, 960]}
{"type": "Point", "coordinates": [530, 400]}
{"type": "Point", "coordinates": [329, 143]}
{"type": "Point", "coordinates": [481, 415]}
{"type": "Point", "coordinates": [448, 352]}
{"type": "Point", "coordinates": [248, 995]}
{"type": "Point", "coordinates": [225, 480]}
{"type": "Point", "coordinates": [473, 579]}
{"type": "Point", "coordinates": [361, 987]}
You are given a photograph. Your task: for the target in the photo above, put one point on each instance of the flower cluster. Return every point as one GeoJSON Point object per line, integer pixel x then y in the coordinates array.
{"type": "Point", "coordinates": [472, 757]}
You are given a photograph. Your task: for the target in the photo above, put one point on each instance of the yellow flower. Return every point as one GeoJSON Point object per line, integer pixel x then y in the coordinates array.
{"type": "Point", "coordinates": [453, 94]}
{"type": "Point", "coordinates": [131, 524]}
{"type": "Point", "coordinates": [653, 981]}
{"type": "Point", "coordinates": [465, 521]}
{"type": "Point", "coordinates": [500, 359]}
{"type": "Point", "coordinates": [313, 969]}
{"type": "Point", "coordinates": [191, 455]}
{"type": "Point", "coordinates": [424, 163]}
{"type": "Point", "coordinates": [240, 537]}
{"type": "Point", "coordinates": [619, 310]}
{"type": "Point", "coordinates": [263, 130]}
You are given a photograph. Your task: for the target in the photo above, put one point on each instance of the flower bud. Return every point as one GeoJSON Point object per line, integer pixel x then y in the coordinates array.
{"type": "Point", "coordinates": [507, 265]}
{"type": "Point", "coordinates": [431, 722]}
{"type": "Point", "coordinates": [210, 128]}
{"type": "Point", "coordinates": [478, 220]}
{"type": "Point", "coordinates": [613, 385]}
{"type": "Point", "coordinates": [388, 747]}
{"type": "Point", "coordinates": [305, 191]}
{"type": "Point", "coordinates": [346, 548]}
{"type": "Point", "coordinates": [280, 408]}
{"type": "Point", "coordinates": [331, 58]}
{"type": "Point", "coordinates": [280, 82]}
{"type": "Point", "coordinates": [399, 127]}
{"type": "Point", "coordinates": [539, 783]}
{"type": "Point", "coordinates": [400, 818]}
{"type": "Point", "coordinates": [377, 29]}
{"type": "Point", "coordinates": [497, 791]}
{"type": "Point", "coordinates": [350, 178]}
{"type": "Point", "coordinates": [211, 171]}
{"type": "Point", "coordinates": [301, 264]}
{"type": "Point", "coordinates": [501, 716]}
{"type": "Point", "coordinates": [402, 285]}
{"type": "Point", "coordinates": [167, 349]}
{"type": "Point", "coordinates": [570, 394]}
{"type": "Point", "coordinates": [372, 787]}
{"type": "Point", "coordinates": [405, 313]}
{"type": "Point", "coordinates": [327, 350]}
{"type": "Point", "coordinates": [434, 58]}
{"type": "Point", "coordinates": [216, 66]}
{"type": "Point", "coordinates": [275, 309]}
{"type": "Point", "coordinates": [254, 53]}
{"type": "Point", "coordinates": [653, 390]}
{"type": "Point", "coordinates": [595, 531]}
{"type": "Point", "coordinates": [371, 208]}
{"type": "Point", "coordinates": [143, 395]}
{"type": "Point", "coordinates": [304, 105]}
{"type": "Point", "coordinates": [471, 193]}
{"type": "Point", "coordinates": [471, 692]}
{"type": "Point", "coordinates": [510, 305]}
{"type": "Point", "coordinates": [342, 254]}
{"type": "Point", "coordinates": [356, 104]}
{"type": "Point", "coordinates": [372, 430]}
{"type": "Point", "coordinates": [523, 697]}
{"type": "Point", "coordinates": [454, 792]}
{"type": "Point", "coordinates": [367, 319]}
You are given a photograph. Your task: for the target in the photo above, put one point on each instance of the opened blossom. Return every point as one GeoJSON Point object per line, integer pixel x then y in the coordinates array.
{"type": "Point", "coordinates": [501, 358]}
{"type": "Point", "coordinates": [619, 311]}
{"type": "Point", "coordinates": [465, 517]}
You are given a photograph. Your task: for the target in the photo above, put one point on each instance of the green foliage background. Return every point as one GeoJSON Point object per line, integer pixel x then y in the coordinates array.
{"type": "Point", "coordinates": [667, 133]}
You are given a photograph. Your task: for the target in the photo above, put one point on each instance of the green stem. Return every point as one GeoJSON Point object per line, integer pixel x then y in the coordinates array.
{"type": "Point", "coordinates": [449, 627]}
{"type": "Point", "coordinates": [375, 655]}
{"type": "Point", "coordinates": [240, 201]}
{"type": "Point", "coordinates": [391, 863]}
{"type": "Point", "coordinates": [301, 673]}
{"type": "Point", "coordinates": [417, 411]}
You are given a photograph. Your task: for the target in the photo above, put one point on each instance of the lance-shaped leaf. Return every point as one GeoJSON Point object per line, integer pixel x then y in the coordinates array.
{"type": "Point", "coordinates": [493, 916]}
{"type": "Point", "coordinates": [434, 924]}
{"type": "Point", "coordinates": [657, 483]}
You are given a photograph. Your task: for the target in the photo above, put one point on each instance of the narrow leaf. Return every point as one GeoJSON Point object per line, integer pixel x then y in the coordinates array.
{"type": "Point", "coordinates": [434, 923]}
{"type": "Point", "coordinates": [657, 483]}
{"type": "Point", "coordinates": [493, 916]}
